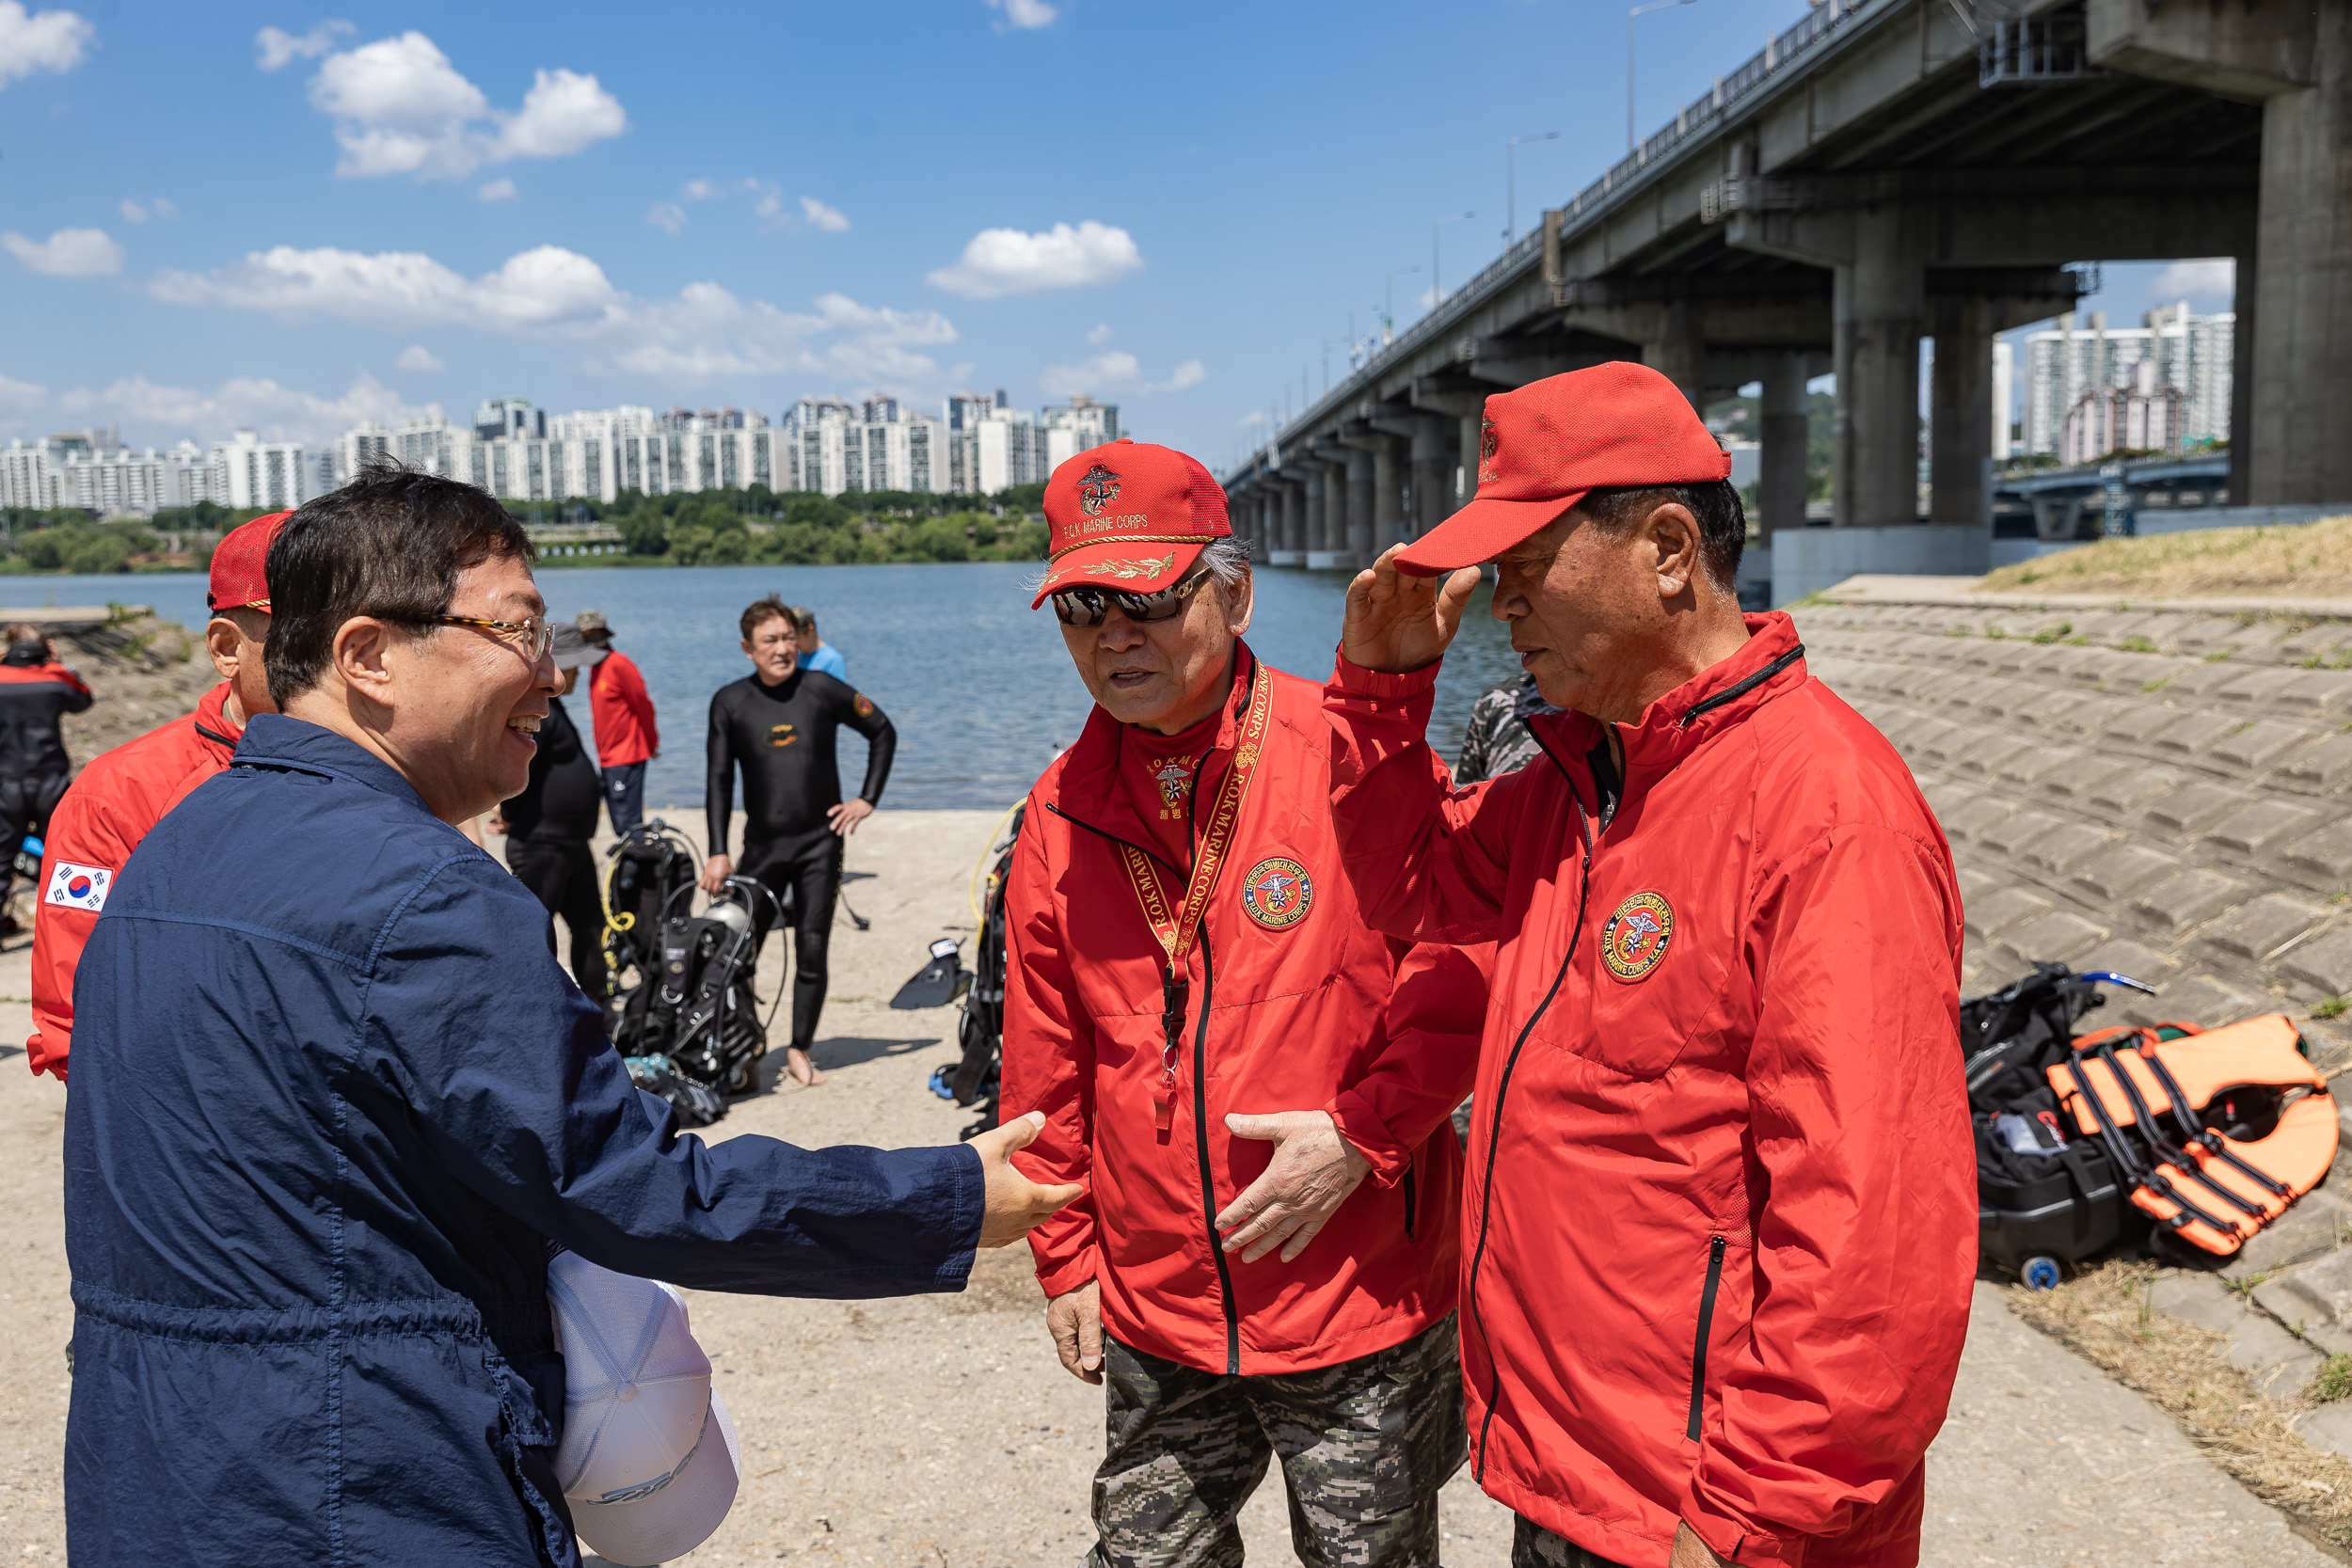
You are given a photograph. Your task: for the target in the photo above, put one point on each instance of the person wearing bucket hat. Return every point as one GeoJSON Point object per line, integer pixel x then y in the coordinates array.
{"type": "Point", "coordinates": [1182, 955]}
{"type": "Point", "coordinates": [549, 825]}
{"type": "Point", "coordinates": [649, 1459]}
{"type": "Point", "coordinates": [1722, 1210]}
{"type": "Point", "coordinates": [120, 795]}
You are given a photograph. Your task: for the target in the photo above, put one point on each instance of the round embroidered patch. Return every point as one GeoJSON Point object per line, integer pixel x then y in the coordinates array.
{"type": "Point", "coordinates": [1636, 936]}
{"type": "Point", "coordinates": [1277, 893]}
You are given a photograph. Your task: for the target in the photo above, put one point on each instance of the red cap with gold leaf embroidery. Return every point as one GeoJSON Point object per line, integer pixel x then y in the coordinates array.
{"type": "Point", "coordinates": [237, 581]}
{"type": "Point", "coordinates": [1129, 515]}
{"type": "Point", "coordinates": [1543, 446]}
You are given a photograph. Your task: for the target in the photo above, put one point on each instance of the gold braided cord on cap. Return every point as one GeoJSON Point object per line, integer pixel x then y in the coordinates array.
{"type": "Point", "coordinates": [1136, 539]}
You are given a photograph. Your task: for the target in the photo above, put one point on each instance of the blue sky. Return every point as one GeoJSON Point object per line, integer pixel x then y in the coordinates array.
{"type": "Point", "coordinates": [294, 217]}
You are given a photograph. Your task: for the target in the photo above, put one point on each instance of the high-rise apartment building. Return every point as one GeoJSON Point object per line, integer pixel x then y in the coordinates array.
{"type": "Point", "coordinates": [2190, 353]}
{"type": "Point", "coordinates": [1071, 429]}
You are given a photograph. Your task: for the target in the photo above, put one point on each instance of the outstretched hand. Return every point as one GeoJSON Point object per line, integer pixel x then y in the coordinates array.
{"type": "Point", "coordinates": [1396, 623]}
{"type": "Point", "coordinates": [1015, 1205]}
{"type": "Point", "coordinates": [1312, 1171]}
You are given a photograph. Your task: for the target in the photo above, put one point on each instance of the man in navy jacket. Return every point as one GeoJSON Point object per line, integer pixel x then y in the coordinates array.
{"type": "Point", "coordinates": [334, 1103]}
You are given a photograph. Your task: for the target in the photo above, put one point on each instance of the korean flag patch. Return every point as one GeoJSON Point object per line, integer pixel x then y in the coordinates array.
{"type": "Point", "coordinates": [78, 887]}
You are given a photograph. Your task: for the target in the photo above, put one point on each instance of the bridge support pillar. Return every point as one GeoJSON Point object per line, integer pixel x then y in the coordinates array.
{"type": "Point", "coordinates": [1282, 529]}
{"type": "Point", "coordinates": [1878, 300]}
{"type": "Point", "coordinates": [1348, 542]}
{"type": "Point", "coordinates": [1961, 412]}
{"type": "Point", "coordinates": [1433, 473]}
{"type": "Point", "coordinates": [1313, 502]}
{"type": "Point", "coordinates": [1780, 488]}
{"type": "Point", "coordinates": [1681, 356]}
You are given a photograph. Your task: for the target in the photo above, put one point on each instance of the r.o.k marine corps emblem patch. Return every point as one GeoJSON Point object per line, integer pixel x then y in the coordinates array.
{"type": "Point", "coordinates": [1487, 474]}
{"type": "Point", "coordinates": [1635, 938]}
{"type": "Point", "coordinates": [1278, 893]}
{"type": "Point", "coordinates": [1097, 490]}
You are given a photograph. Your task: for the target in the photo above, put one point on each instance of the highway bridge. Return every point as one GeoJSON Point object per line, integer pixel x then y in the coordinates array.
{"type": "Point", "coordinates": [1887, 171]}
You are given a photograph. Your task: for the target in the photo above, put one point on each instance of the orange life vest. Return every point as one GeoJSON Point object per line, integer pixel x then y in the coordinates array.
{"type": "Point", "coordinates": [2210, 1190]}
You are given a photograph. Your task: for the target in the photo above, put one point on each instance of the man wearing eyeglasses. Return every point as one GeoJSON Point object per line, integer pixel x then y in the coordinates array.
{"type": "Point", "coordinates": [1183, 954]}
{"type": "Point", "coordinates": [335, 1104]}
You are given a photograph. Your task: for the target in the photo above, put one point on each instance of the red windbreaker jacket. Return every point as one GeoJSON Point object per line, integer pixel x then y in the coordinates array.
{"type": "Point", "coordinates": [118, 798]}
{"type": "Point", "coordinates": [1721, 1216]}
{"type": "Point", "coordinates": [1306, 1012]}
{"type": "Point", "coordinates": [622, 712]}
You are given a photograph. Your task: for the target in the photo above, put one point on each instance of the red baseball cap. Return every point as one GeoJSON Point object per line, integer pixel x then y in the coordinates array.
{"type": "Point", "coordinates": [1129, 515]}
{"type": "Point", "coordinates": [237, 581]}
{"type": "Point", "coordinates": [1543, 446]}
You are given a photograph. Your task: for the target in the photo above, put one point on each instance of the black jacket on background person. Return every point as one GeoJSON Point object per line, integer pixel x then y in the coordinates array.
{"type": "Point", "coordinates": [559, 802]}
{"type": "Point", "coordinates": [783, 736]}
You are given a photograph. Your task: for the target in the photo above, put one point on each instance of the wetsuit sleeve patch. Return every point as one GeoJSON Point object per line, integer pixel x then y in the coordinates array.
{"type": "Point", "coordinates": [864, 704]}
{"type": "Point", "coordinates": [78, 887]}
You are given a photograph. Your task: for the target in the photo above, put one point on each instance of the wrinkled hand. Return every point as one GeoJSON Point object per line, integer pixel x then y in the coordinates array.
{"type": "Point", "coordinates": [1074, 1319]}
{"type": "Point", "coordinates": [716, 870]}
{"type": "Point", "coordinates": [1691, 1552]}
{"type": "Point", "coordinates": [1398, 624]}
{"type": "Point", "coordinates": [848, 815]}
{"type": "Point", "coordinates": [1312, 1171]}
{"type": "Point", "coordinates": [1015, 1205]}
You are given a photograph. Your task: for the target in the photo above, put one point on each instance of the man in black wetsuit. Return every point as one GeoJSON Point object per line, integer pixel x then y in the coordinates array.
{"type": "Point", "coordinates": [549, 825]}
{"type": "Point", "coordinates": [780, 723]}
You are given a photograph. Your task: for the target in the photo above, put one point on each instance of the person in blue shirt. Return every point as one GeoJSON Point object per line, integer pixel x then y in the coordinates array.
{"type": "Point", "coordinates": [816, 653]}
{"type": "Point", "coordinates": [335, 1106]}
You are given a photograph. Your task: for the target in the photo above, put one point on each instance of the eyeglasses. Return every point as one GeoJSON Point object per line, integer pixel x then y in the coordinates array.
{"type": "Point", "coordinates": [1088, 605]}
{"type": "Point", "coordinates": [542, 633]}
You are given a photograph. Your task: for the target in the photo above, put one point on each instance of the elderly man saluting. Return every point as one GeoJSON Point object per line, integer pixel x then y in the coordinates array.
{"type": "Point", "coordinates": [1721, 1214]}
{"type": "Point", "coordinates": [1182, 952]}
{"type": "Point", "coordinates": [334, 1105]}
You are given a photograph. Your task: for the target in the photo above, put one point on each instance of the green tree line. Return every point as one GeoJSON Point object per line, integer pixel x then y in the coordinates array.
{"type": "Point", "coordinates": [758, 526]}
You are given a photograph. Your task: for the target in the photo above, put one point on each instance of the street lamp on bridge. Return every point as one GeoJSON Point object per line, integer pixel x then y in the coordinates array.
{"type": "Point", "coordinates": [1437, 293]}
{"type": "Point", "coordinates": [1511, 183]}
{"type": "Point", "coordinates": [1631, 140]}
{"type": "Point", "coordinates": [1387, 311]}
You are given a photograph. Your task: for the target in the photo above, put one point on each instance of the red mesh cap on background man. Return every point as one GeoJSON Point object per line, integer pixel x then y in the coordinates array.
{"type": "Point", "coordinates": [1543, 446]}
{"type": "Point", "coordinates": [1129, 515]}
{"type": "Point", "coordinates": [237, 580]}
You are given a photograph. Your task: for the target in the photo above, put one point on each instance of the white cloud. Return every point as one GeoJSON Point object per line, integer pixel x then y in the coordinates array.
{"type": "Point", "coordinates": [163, 209]}
{"type": "Point", "coordinates": [2210, 282]}
{"type": "Point", "coordinates": [667, 215]}
{"type": "Point", "coordinates": [1100, 334]}
{"type": "Point", "coordinates": [400, 107]}
{"type": "Point", "coordinates": [1001, 261]}
{"type": "Point", "coordinates": [43, 40]}
{"type": "Point", "coordinates": [564, 113]}
{"type": "Point", "coordinates": [1024, 13]}
{"type": "Point", "coordinates": [420, 360]}
{"type": "Point", "coordinates": [274, 47]}
{"type": "Point", "coordinates": [827, 219]}
{"type": "Point", "coordinates": [769, 209]}
{"type": "Point", "coordinates": [67, 253]}
{"type": "Point", "coordinates": [497, 190]}
{"type": "Point", "coordinates": [1117, 372]}
{"type": "Point", "coordinates": [700, 190]}
{"type": "Point", "coordinates": [22, 397]}
{"type": "Point", "coordinates": [131, 210]}
{"type": "Point", "coordinates": [278, 413]}
{"type": "Point", "coordinates": [555, 295]}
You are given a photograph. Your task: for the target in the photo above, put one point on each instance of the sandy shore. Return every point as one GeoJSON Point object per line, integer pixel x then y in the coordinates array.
{"type": "Point", "coordinates": [941, 1431]}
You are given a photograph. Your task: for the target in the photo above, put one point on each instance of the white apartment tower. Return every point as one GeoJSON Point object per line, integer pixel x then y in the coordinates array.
{"type": "Point", "coordinates": [2191, 353]}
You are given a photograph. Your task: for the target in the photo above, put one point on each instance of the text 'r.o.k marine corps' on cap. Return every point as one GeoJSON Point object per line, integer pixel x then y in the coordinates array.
{"type": "Point", "coordinates": [1545, 447]}
{"type": "Point", "coordinates": [237, 582]}
{"type": "Point", "coordinates": [1129, 515]}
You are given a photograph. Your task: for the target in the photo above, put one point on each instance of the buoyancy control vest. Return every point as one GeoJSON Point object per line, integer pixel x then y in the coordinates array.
{"type": "Point", "coordinates": [2218, 1131]}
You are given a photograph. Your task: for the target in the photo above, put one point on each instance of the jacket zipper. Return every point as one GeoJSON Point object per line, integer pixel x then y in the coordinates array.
{"type": "Point", "coordinates": [1494, 1134]}
{"type": "Point", "coordinates": [1199, 1114]}
{"type": "Point", "coordinates": [1706, 1319]}
{"type": "Point", "coordinates": [1410, 1203]}
{"type": "Point", "coordinates": [1738, 689]}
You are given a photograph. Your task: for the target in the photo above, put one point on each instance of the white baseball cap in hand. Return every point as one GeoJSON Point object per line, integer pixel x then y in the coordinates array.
{"type": "Point", "coordinates": [648, 1458]}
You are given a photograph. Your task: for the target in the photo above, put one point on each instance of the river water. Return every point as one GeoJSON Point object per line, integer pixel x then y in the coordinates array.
{"type": "Point", "coordinates": [980, 686]}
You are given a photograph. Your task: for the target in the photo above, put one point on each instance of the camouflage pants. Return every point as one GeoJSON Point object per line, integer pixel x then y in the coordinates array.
{"type": "Point", "coordinates": [1533, 1546]}
{"type": "Point", "coordinates": [1364, 1447]}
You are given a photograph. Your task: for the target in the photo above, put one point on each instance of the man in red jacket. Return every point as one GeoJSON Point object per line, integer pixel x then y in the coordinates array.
{"type": "Point", "coordinates": [1182, 953]}
{"type": "Point", "coordinates": [621, 713]}
{"type": "Point", "coordinates": [125, 792]}
{"type": "Point", "coordinates": [1721, 1215]}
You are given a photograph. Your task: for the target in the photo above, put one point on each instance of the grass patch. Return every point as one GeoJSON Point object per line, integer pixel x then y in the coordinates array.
{"type": "Point", "coordinates": [2157, 684]}
{"type": "Point", "coordinates": [2051, 634]}
{"type": "Point", "coordinates": [2334, 1381]}
{"type": "Point", "coordinates": [2103, 1315]}
{"type": "Point", "coordinates": [2220, 658]}
{"type": "Point", "coordinates": [2331, 1007]}
{"type": "Point", "coordinates": [2136, 645]}
{"type": "Point", "coordinates": [2311, 561]}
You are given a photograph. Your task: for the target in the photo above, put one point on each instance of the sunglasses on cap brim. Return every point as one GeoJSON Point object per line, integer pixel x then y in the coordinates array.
{"type": "Point", "coordinates": [1088, 604]}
